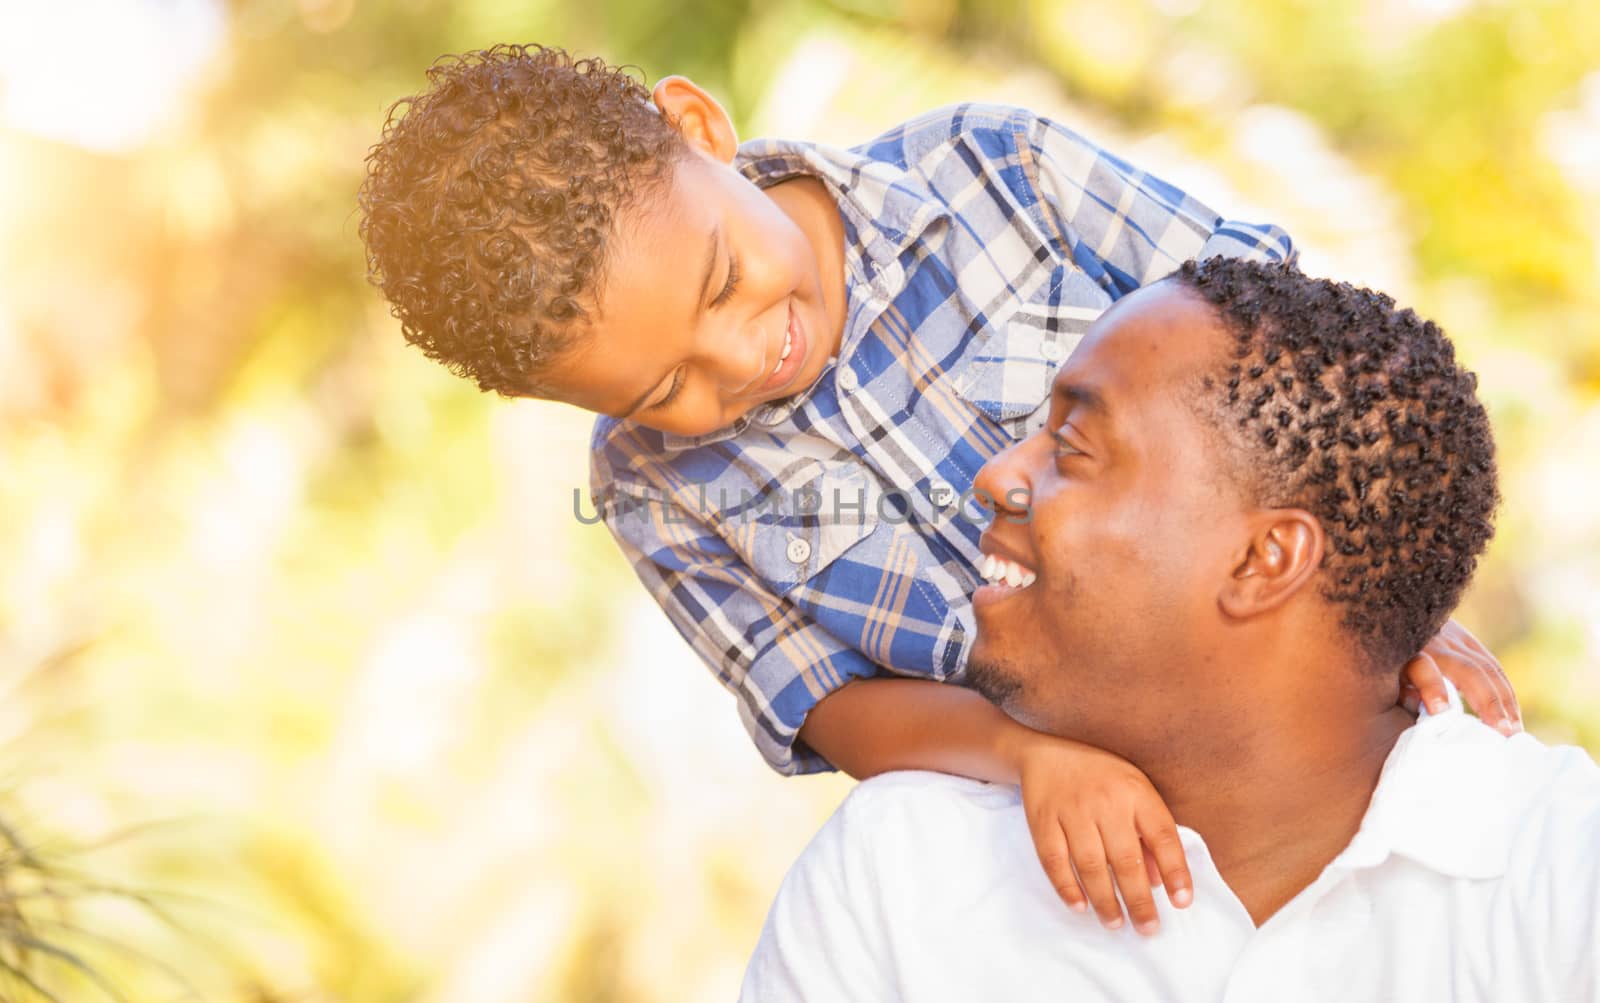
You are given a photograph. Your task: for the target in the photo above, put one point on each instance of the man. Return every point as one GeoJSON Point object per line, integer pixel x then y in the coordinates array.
{"type": "Point", "coordinates": [1255, 496]}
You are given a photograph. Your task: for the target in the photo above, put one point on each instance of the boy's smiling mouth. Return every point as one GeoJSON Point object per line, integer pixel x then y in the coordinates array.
{"type": "Point", "coordinates": [790, 355]}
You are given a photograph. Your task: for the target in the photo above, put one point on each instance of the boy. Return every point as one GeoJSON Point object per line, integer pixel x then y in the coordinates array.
{"type": "Point", "coordinates": [803, 355]}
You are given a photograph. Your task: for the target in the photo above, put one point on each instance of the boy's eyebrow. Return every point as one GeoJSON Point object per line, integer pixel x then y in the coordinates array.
{"type": "Point", "coordinates": [711, 266]}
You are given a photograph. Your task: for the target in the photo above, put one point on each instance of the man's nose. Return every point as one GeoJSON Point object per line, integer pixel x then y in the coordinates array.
{"type": "Point", "coordinates": [1002, 485]}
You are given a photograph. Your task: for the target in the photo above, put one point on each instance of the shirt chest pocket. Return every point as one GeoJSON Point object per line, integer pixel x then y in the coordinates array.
{"type": "Point", "coordinates": [1007, 372]}
{"type": "Point", "coordinates": [791, 532]}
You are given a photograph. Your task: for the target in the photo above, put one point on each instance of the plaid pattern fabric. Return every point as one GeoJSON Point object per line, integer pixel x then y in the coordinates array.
{"type": "Point", "coordinates": [831, 535]}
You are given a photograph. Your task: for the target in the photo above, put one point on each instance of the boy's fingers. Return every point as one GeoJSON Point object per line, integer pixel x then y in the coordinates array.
{"type": "Point", "coordinates": [1481, 678]}
{"type": "Point", "coordinates": [1051, 845]}
{"type": "Point", "coordinates": [1482, 695]}
{"type": "Point", "coordinates": [1160, 835]}
{"type": "Point", "coordinates": [1094, 873]}
{"type": "Point", "coordinates": [1511, 713]}
{"type": "Point", "coordinates": [1422, 672]}
{"type": "Point", "coordinates": [1410, 699]}
{"type": "Point", "coordinates": [1126, 855]}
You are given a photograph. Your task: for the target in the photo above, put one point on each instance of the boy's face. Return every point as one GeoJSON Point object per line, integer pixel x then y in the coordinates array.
{"type": "Point", "coordinates": [706, 286]}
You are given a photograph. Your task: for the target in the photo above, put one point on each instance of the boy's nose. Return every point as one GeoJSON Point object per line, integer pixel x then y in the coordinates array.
{"type": "Point", "coordinates": [740, 358]}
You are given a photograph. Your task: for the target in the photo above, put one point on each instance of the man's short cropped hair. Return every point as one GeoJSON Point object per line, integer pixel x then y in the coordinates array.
{"type": "Point", "coordinates": [1335, 401]}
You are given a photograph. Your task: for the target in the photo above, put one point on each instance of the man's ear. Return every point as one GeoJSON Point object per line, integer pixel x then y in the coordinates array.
{"type": "Point", "coordinates": [1281, 556]}
{"type": "Point", "coordinates": [697, 116]}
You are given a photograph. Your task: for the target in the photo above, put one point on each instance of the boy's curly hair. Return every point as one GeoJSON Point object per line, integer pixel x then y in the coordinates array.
{"type": "Point", "coordinates": [488, 202]}
{"type": "Point", "coordinates": [1339, 403]}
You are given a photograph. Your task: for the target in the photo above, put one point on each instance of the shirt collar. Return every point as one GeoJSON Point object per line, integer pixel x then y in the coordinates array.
{"type": "Point", "coordinates": [1444, 800]}
{"type": "Point", "coordinates": [887, 206]}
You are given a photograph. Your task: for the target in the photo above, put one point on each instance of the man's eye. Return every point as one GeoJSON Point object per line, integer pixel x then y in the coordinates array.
{"type": "Point", "coordinates": [1065, 448]}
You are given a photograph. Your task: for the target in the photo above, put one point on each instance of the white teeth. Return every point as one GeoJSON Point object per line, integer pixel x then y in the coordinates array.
{"type": "Point", "coordinates": [783, 354]}
{"type": "Point", "coordinates": [1001, 571]}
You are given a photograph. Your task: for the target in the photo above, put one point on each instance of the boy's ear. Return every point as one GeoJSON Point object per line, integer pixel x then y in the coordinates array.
{"type": "Point", "coordinates": [697, 116]}
{"type": "Point", "coordinates": [1283, 553]}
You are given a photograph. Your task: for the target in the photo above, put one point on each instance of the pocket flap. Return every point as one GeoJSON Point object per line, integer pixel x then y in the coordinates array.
{"type": "Point", "coordinates": [789, 535]}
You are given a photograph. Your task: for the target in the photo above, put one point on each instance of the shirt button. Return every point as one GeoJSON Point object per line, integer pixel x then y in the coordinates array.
{"type": "Point", "coordinates": [799, 552]}
{"type": "Point", "coordinates": [848, 378]}
{"type": "Point", "coordinates": [1053, 350]}
{"type": "Point", "coordinates": [941, 494]}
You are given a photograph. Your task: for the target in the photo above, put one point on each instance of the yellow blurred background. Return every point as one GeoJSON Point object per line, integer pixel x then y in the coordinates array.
{"type": "Point", "coordinates": [314, 687]}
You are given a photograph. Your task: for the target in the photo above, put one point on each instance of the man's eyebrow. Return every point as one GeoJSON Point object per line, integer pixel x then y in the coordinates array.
{"type": "Point", "coordinates": [1078, 393]}
{"type": "Point", "coordinates": [711, 266]}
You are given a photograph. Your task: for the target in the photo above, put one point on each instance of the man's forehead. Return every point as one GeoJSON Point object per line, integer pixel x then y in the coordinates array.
{"type": "Point", "coordinates": [1138, 349]}
{"type": "Point", "coordinates": [1162, 327]}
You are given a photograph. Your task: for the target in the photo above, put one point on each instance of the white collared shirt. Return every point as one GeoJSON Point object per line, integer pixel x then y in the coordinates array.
{"type": "Point", "coordinates": [1475, 875]}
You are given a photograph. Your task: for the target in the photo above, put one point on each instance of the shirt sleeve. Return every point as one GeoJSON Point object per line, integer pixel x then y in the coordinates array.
{"type": "Point", "coordinates": [825, 937]}
{"type": "Point", "coordinates": [770, 655]}
{"type": "Point", "coordinates": [1123, 226]}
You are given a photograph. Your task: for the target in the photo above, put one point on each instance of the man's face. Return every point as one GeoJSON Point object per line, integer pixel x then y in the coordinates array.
{"type": "Point", "coordinates": [1131, 531]}
{"type": "Point", "coordinates": [706, 286]}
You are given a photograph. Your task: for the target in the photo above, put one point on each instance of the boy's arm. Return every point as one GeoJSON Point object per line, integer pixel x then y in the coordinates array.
{"type": "Point", "coordinates": [1098, 825]}
{"type": "Point", "coordinates": [1123, 226]}
{"type": "Point", "coordinates": [874, 726]}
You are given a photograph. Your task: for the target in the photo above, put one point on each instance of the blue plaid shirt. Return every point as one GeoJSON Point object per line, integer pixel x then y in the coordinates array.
{"type": "Point", "coordinates": [832, 535]}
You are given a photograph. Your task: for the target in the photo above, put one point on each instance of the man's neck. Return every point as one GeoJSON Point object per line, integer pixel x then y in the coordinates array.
{"type": "Point", "coordinates": [1288, 800]}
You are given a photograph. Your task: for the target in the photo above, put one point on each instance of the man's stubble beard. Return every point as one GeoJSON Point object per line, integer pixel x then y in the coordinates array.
{"type": "Point", "coordinates": [998, 681]}
{"type": "Point", "coordinates": [991, 681]}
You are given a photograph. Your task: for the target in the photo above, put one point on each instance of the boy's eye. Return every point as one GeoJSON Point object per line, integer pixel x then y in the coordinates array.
{"type": "Point", "coordinates": [672, 394]}
{"type": "Point", "coordinates": [732, 283]}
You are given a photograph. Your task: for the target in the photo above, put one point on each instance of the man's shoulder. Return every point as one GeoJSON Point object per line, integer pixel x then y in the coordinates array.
{"type": "Point", "coordinates": [1529, 807]}
{"type": "Point", "coordinates": [1543, 916]}
{"type": "Point", "coordinates": [895, 825]}
{"type": "Point", "coordinates": [1555, 792]}
{"type": "Point", "coordinates": [1531, 775]}
{"type": "Point", "coordinates": [918, 798]}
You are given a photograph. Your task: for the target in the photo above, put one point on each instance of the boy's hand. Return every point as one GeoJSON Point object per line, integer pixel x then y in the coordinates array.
{"type": "Point", "coordinates": [1096, 820]}
{"type": "Point", "coordinates": [1456, 655]}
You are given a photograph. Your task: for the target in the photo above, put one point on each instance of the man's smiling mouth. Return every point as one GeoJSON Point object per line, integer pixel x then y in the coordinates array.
{"type": "Point", "coordinates": [1002, 571]}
